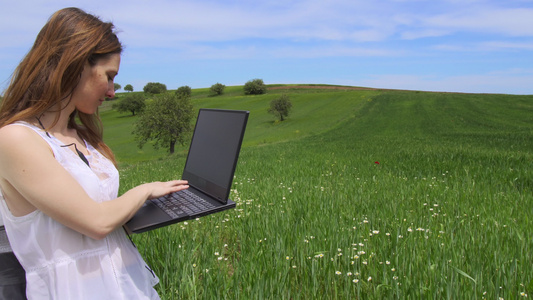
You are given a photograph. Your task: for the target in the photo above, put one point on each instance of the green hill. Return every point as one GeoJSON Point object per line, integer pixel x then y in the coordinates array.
{"type": "Point", "coordinates": [314, 111]}
{"type": "Point", "coordinates": [360, 194]}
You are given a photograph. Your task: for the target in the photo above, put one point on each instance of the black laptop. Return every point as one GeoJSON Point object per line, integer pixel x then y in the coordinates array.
{"type": "Point", "coordinates": [210, 166]}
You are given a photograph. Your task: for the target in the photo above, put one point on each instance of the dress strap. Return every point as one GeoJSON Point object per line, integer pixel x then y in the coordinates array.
{"type": "Point", "coordinates": [80, 154]}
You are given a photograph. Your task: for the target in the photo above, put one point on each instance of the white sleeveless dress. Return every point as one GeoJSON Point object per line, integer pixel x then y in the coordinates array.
{"type": "Point", "coordinates": [61, 263]}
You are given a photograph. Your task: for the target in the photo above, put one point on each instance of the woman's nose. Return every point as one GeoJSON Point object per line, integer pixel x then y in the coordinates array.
{"type": "Point", "coordinates": [110, 91]}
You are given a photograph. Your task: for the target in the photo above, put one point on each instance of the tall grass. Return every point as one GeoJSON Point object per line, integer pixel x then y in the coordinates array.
{"type": "Point", "coordinates": [389, 195]}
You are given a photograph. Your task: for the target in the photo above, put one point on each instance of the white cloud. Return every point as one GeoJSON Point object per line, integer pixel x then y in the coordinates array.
{"type": "Point", "coordinates": [506, 45]}
{"type": "Point", "coordinates": [424, 33]}
{"type": "Point", "coordinates": [164, 22]}
{"type": "Point", "coordinates": [487, 46]}
{"type": "Point", "coordinates": [513, 81]}
{"type": "Point", "coordinates": [496, 20]}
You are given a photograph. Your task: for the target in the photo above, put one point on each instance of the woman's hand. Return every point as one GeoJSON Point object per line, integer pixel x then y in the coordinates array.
{"type": "Point", "coordinates": [159, 189]}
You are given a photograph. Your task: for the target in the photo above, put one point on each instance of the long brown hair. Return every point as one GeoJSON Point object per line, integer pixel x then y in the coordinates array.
{"type": "Point", "coordinates": [52, 69]}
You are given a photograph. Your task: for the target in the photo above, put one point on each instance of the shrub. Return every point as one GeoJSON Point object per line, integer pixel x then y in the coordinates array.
{"type": "Point", "coordinates": [184, 91]}
{"type": "Point", "coordinates": [155, 88]}
{"type": "Point", "coordinates": [255, 87]}
{"type": "Point", "coordinates": [217, 89]}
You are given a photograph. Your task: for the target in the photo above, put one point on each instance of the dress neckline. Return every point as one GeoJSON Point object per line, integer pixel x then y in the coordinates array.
{"type": "Point", "coordinates": [80, 154]}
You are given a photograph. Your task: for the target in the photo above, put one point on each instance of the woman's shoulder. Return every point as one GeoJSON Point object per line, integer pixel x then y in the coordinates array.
{"type": "Point", "coordinates": [19, 134]}
{"type": "Point", "coordinates": [18, 130]}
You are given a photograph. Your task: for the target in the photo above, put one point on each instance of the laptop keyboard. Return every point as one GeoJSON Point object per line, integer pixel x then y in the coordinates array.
{"type": "Point", "coordinates": [181, 202]}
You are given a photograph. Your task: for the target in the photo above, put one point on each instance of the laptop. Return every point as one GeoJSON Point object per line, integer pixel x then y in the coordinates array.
{"type": "Point", "coordinates": [209, 168]}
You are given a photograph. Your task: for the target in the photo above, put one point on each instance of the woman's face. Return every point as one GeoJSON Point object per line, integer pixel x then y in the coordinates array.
{"type": "Point", "coordinates": [96, 84]}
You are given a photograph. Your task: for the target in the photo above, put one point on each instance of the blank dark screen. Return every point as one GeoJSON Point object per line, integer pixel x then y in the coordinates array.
{"type": "Point", "coordinates": [215, 145]}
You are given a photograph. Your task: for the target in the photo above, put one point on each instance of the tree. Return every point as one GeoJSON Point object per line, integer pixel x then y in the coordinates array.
{"type": "Point", "coordinates": [255, 87]}
{"type": "Point", "coordinates": [117, 86]}
{"type": "Point", "coordinates": [166, 121]}
{"type": "Point", "coordinates": [131, 103]}
{"type": "Point", "coordinates": [128, 88]}
{"type": "Point", "coordinates": [217, 89]}
{"type": "Point", "coordinates": [155, 88]}
{"type": "Point", "coordinates": [184, 91]}
{"type": "Point", "coordinates": [280, 107]}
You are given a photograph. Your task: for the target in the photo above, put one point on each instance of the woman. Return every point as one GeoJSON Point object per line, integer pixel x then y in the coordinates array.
{"type": "Point", "coordinates": [58, 179]}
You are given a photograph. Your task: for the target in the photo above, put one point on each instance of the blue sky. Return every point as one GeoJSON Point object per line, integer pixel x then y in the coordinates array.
{"type": "Point", "coordinates": [479, 46]}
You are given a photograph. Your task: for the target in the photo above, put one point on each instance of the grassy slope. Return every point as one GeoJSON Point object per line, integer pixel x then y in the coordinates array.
{"type": "Point", "coordinates": [454, 167]}
{"type": "Point", "coordinates": [313, 112]}
{"type": "Point", "coordinates": [447, 208]}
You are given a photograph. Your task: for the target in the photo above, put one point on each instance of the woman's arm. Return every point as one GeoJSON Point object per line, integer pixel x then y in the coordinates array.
{"type": "Point", "coordinates": [31, 178]}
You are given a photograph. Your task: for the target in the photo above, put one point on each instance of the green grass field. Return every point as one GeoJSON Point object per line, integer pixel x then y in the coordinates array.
{"type": "Point", "coordinates": [358, 195]}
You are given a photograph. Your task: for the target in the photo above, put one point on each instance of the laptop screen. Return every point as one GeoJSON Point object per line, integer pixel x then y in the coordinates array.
{"type": "Point", "coordinates": [214, 151]}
